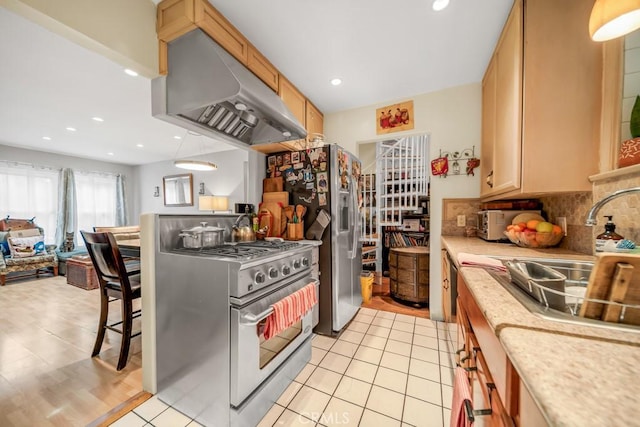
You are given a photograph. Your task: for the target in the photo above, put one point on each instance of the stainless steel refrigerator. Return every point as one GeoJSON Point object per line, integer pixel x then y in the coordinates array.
{"type": "Point", "coordinates": [328, 179]}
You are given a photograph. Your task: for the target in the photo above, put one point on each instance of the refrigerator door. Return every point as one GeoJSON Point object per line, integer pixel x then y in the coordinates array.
{"type": "Point", "coordinates": [346, 297]}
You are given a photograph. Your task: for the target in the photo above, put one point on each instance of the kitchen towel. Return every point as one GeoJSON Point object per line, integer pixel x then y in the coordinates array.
{"type": "Point", "coordinates": [472, 260]}
{"type": "Point", "coordinates": [461, 393]}
{"type": "Point", "coordinates": [289, 310]}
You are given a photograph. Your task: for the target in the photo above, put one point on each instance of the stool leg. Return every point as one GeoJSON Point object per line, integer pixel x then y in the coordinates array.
{"type": "Point", "coordinates": [127, 314]}
{"type": "Point", "coordinates": [104, 313]}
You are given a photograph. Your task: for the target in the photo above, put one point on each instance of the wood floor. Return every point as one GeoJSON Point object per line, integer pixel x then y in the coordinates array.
{"type": "Point", "coordinates": [381, 300]}
{"type": "Point", "coordinates": [47, 375]}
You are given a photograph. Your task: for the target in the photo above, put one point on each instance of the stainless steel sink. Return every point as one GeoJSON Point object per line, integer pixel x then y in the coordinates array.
{"type": "Point", "coordinates": [577, 273]}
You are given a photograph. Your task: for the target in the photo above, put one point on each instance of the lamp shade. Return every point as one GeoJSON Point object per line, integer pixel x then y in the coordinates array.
{"type": "Point", "coordinates": [613, 18]}
{"type": "Point", "coordinates": [213, 203]}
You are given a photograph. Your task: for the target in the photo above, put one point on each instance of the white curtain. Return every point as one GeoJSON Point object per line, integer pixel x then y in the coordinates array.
{"type": "Point", "coordinates": [67, 218]}
{"type": "Point", "coordinates": [30, 191]}
{"type": "Point", "coordinates": [96, 201]}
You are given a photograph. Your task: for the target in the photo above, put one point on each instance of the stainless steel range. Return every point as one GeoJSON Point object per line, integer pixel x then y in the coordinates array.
{"type": "Point", "coordinates": [213, 363]}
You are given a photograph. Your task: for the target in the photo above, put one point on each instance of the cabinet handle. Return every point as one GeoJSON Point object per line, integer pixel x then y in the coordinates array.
{"type": "Point", "coordinates": [490, 179]}
{"type": "Point", "coordinates": [445, 283]}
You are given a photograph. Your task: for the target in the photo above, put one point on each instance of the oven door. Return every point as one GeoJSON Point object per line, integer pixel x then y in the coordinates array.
{"type": "Point", "coordinates": [253, 358]}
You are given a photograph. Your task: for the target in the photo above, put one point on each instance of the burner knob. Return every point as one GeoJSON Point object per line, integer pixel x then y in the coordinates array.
{"type": "Point", "coordinates": [305, 262]}
{"type": "Point", "coordinates": [259, 277]}
{"type": "Point", "coordinates": [296, 263]}
{"type": "Point", "coordinates": [273, 273]}
{"type": "Point", "coordinates": [286, 270]}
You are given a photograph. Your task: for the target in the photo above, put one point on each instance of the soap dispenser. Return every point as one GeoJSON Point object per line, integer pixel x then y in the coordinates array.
{"type": "Point", "coordinates": [609, 236]}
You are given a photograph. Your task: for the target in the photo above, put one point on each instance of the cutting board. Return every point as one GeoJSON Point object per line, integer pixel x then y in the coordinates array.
{"type": "Point", "coordinates": [601, 286]}
{"type": "Point", "coordinates": [270, 185]}
{"type": "Point", "coordinates": [279, 220]}
{"type": "Point", "coordinates": [276, 197]}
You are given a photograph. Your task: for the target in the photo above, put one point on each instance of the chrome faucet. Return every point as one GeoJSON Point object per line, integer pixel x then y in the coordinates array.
{"type": "Point", "coordinates": [591, 217]}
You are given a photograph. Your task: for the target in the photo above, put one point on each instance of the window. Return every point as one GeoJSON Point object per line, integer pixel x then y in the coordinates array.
{"type": "Point", "coordinates": [96, 201]}
{"type": "Point", "coordinates": [29, 192]}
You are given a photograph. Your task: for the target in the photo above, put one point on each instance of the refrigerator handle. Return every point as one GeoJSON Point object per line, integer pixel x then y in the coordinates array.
{"type": "Point", "coordinates": [354, 217]}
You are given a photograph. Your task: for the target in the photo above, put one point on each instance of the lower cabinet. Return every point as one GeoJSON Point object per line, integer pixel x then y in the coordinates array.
{"type": "Point", "coordinates": [495, 384]}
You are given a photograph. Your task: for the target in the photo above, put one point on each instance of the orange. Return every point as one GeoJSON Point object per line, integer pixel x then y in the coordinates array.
{"type": "Point", "coordinates": [532, 224]}
{"type": "Point", "coordinates": [557, 229]}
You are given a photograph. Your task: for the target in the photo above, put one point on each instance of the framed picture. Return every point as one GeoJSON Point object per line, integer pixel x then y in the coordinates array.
{"type": "Point", "coordinates": [295, 157]}
{"type": "Point", "coordinates": [394, 118]}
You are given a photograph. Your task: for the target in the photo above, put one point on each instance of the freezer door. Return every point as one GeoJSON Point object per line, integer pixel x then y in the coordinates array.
{"type": "Point", "coordinates": [346, 252]}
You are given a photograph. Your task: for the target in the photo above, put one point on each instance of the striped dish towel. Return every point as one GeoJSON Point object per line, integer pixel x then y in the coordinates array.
{"type": "Point", "coordinates": [289, 310]}
{"type": "Point", "coordinates": [461, 392]}
{"type": "Point", "coordinates": [472, 260]}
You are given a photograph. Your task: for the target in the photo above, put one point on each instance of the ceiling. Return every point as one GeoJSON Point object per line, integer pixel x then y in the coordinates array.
{"type": "Point", "coordinates": [383, 51]}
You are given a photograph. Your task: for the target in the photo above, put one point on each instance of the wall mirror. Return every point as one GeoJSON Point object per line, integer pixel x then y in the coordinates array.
{"type": "Point", "coordinates": [178, 190]}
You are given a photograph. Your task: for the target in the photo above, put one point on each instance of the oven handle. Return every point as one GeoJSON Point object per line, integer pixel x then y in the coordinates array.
{"type": "Point", "coordinates": [252, 320]}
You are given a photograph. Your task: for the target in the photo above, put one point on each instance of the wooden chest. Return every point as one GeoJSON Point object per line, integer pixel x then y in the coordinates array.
{"type": "Point", "coordinates": [409, 273]}
{"type": "Point", "coordinates": [80, 273]}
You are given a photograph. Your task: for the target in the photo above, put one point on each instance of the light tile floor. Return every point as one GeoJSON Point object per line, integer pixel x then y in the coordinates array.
{"type": "Point", "coordinates": [384, 370]}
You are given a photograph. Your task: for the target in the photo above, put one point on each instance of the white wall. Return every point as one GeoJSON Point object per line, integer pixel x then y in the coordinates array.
{"type": "Point", "coordinates": [453, 119]}
{"type": "Point", "coordinates": [40, 158]}
{"type": "Point", "coordinates": [238, 176]}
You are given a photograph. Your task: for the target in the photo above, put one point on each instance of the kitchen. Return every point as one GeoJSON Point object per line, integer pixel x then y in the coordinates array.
{"type": "Point", "coordinates": [436, 108]}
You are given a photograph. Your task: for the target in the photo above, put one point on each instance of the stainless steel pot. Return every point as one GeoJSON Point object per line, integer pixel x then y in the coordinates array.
{"type": "Point", "coordinates": [243, 233]}
{"type": "Point", "coordinates": [202, 236]}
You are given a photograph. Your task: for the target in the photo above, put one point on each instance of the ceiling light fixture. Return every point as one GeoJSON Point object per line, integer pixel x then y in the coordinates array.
{"type": "Point", "coordinates": [130, 72]}
{"type": "Point", "coordinates": [438, 5]}
{"type": "Point", "coordinates": [98, 119]}
{"type": "Point", "coordinates": [613, 18]}
{"type": "Point", "coordinates": [139, 145]}
{"type": "Point", "coordinates": [110, 153]}
{"type": "Point", "coordinates": [46, 138]}
{"type": "Point", "coordinates": [177, 137]}
{"type": "Point", "coordinates": [336, 81]}
{"type": "Point", "coordinates": [194, 165]}
{"type": "Point", "coordinates": [70, 129]}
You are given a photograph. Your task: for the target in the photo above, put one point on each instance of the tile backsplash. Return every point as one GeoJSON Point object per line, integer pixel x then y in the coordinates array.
{"type": "Point", "coordinates": [573, 206]}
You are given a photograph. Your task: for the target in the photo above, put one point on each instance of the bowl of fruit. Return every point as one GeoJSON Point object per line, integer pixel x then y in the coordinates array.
{"type": "Point", "coordinates": [532, 231]}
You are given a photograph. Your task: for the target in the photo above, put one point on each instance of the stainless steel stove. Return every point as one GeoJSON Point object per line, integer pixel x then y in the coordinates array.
{"type": "Point", "coordinates": [211, 307]}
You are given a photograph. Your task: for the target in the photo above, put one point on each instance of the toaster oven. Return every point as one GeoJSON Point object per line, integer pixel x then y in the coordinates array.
{"type": "Point", "coordinates": [493, 223]}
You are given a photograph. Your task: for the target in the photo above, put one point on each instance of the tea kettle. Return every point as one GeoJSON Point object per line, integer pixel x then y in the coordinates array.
{"type": "Point", "coordinates": [243, 233]}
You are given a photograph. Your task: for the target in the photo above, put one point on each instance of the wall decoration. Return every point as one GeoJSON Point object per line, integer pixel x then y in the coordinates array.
{"type": "Point", "coordinates": [279, 160]}
{"type": "Point", "coordinates": [272, 161]}
{"type": "Point", "coordinates": [286, 159]}
{"type": "Point", "coordinates": [295, 157]}
{"type": "Point", "coordinates": [298, 165]}
{"type": "Point", "coordinates": [323, 166]}
{"type": "Point", "coordinates": [394, 118]}
{"type": "Point", "coordinates": [322, 199]}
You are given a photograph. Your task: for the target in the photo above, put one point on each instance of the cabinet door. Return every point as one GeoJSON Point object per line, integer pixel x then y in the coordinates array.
{"type": "Point", "coordinates": [488, 128]}
{"type": "Point", "coordinates": [446, 288]}
{"type": "Point", "coordinates": [507, 149]}
{"type": "Point", "coordinates": [174, 18]}
{"type": "Point", "coordinates": [221, 30]}
{"type": "Point", "coordinates": [262, 68]}
{"type": "Point", "coordinates": [315, 121]}
{"type": "Point", "coordinates": [293, 99]}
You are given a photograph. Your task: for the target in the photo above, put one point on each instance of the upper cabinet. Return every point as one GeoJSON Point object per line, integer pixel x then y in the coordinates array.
{"type": "Point", "coordinates": [293, 99]}
{"type": "Point", "coordinates": [541, 102]}
{"type": "Point", "coordinates": [314, 121]}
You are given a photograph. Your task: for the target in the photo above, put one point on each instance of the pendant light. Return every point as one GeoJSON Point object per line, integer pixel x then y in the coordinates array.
{"type": "Point", "coordinates": [613, 18]}
{"type": "Point", "coordinates": [194, 165]}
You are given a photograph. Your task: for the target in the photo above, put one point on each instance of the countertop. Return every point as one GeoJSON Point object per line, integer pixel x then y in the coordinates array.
{"type": "Point", "coordinates": [578, 375]}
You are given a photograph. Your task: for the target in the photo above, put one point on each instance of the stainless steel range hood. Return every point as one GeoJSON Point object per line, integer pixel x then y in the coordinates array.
{"type": "Point", "coordinates": [210, 92]}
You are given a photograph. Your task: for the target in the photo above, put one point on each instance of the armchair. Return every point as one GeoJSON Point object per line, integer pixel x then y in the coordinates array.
{"type": "Point", "coordinates": [11, 228]}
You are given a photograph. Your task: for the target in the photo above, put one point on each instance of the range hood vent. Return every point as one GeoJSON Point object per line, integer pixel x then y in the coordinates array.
{"type": "Point", "coordinates": [210, 92]}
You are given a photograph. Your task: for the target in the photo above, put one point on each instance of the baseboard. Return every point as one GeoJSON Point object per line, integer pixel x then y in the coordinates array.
{"type": "Point", "coordinates": [121, 410]}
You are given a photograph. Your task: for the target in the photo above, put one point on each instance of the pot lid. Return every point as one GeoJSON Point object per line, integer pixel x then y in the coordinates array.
{"type": "Point", "coordinates": [202, 228]}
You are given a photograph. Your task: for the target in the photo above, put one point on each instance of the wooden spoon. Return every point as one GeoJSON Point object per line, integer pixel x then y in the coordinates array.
{"type": "Point", "coordinates": [300, 211]}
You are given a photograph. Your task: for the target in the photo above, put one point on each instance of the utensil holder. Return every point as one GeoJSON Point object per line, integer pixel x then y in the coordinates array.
{"type": "Point", "coordinates": [295, 230]}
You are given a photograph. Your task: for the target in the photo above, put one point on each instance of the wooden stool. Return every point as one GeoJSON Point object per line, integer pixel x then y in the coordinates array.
{"type": "Point", "coordinates": [409, 274]}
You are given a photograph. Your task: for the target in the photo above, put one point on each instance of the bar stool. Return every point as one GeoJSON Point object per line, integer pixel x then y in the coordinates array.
{"type": "Point", "coordinates": [116, 283]}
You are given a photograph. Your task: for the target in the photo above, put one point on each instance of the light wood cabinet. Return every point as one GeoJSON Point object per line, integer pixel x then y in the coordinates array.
{"type": "Point", "coordinates": [446, 286]}
{"type": "Point", "coordinates": [261, 67]}
{"type": "Point", "coordinates": [314, 121]}
{"type": "Point", "coordinates": [542, 96]}
{"type": "Point", "coordinates": [221, 30]}
{"type": "Point", "coordinates": [174, 18]}
{"type": "Point", "coordinates": [293, 99]}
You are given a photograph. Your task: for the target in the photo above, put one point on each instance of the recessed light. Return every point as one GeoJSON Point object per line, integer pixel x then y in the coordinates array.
{"type": "Point", "coordinates": [336, 81]}
{"type": "Point", "coordinates": [46, 138]}
{"type": "Point", "coordinates": [139, 145]}
{"type": "Point", "coordinates": [70, 129]}
{"type": "Point", "coordinates": [438, 5]}
{"type": "Point", "coordinates": [98, 119]}
{"type": "Point", "coordinates": [130, 72]}
{"type": "Point", "coordinates": [110, 153]}
{"type": "Point", "coordinates": [177, 137]}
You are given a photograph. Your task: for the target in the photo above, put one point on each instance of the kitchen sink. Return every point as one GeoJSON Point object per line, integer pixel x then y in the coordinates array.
{"type": "Point", "coordinates": [577, 273]}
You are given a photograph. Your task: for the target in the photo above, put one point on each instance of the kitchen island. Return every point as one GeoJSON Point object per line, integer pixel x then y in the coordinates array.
{"type": "Point", "coordinates": [577, 375]}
